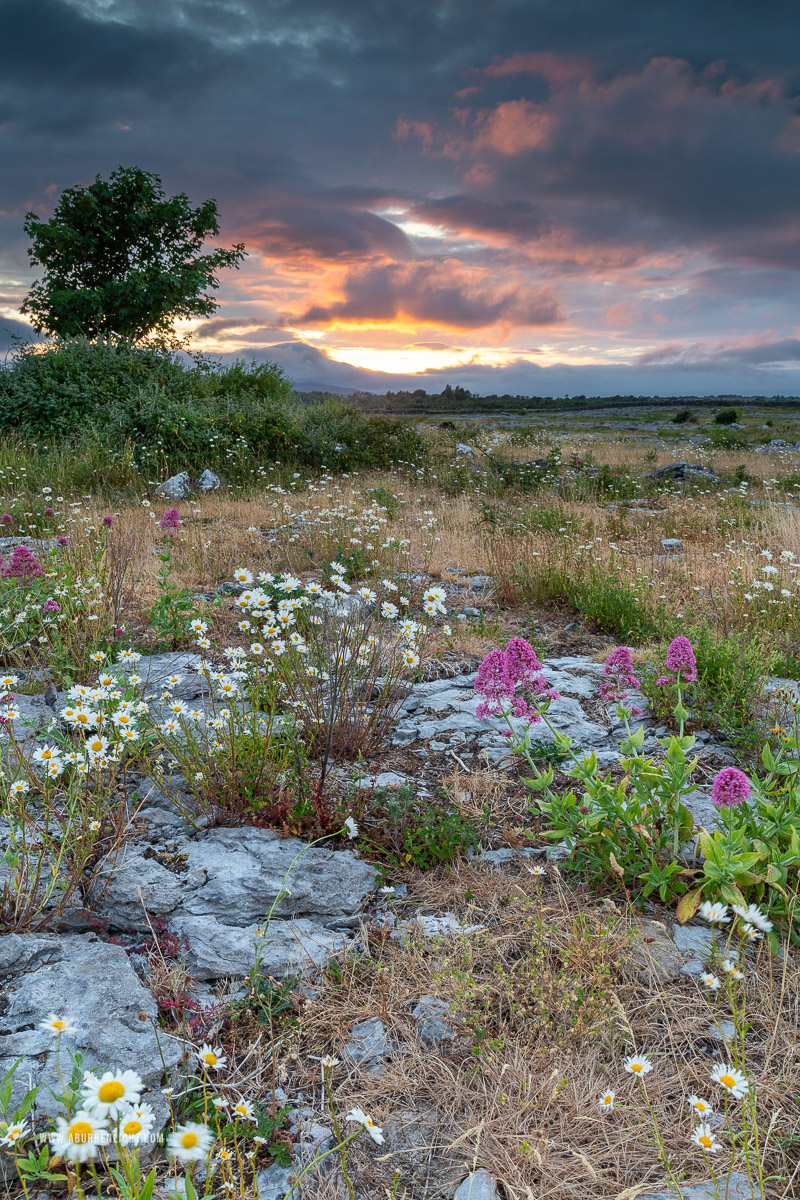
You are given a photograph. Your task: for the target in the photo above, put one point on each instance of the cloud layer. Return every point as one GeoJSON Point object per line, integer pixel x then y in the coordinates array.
{"type": "Point", "coordinates": [515, 196]}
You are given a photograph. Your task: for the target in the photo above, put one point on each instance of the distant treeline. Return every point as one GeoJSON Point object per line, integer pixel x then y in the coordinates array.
{"type": "Point", "coordinates": [459, 400]}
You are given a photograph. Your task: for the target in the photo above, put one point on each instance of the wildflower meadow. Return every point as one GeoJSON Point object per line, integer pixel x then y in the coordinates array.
{"type": "Point", "coordinates": [395, 821]}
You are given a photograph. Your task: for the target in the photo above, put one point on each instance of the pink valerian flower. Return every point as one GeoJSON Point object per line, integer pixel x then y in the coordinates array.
{"type": "Point", "coordinates": [730, 788]}
{"type": "Point", "coordinates": [522, 664]}
{"type": "Point", "coordinates": [63, 541]}
{"type": "Point", "coordinates": [680, 659]}
{"type": "Point", "coordinates": [510, 680]}
{"type": "Point", "coordinates": [170, 522]}
{"type": "Point", "coordinates": [49, 512]}
{"type": "Point", "coordinates": [22, 564]}
{"type": "Point", "coordinates": [108, 522]}
{"type": "Point", "coordinates": [50, 606]}
{"type": "Point", "coordinates": [6, 519]}
{"type": "Point", "coordinates": [618, 672]}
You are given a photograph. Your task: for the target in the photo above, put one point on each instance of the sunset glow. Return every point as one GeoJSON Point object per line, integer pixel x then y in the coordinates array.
{"type": "Point", "coordinates": [517, 197]}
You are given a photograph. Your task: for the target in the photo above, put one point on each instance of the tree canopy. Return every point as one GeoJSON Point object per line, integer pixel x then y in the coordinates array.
{"type": "Point", "coordinates": [122, 260]}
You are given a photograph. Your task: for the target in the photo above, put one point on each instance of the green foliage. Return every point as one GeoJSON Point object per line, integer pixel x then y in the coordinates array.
{"type": "Point", "coordinates": [122, 260]}
{"type": "Point", "coordinates": [173, 609]}
{"type": "Point", "coordinates": [421, 833]}
{"type": "Point", "coordinates": [683, 416]}
{"type": "Point", "coordinates": [123, 414]}
{"type": "Point", "coordinates": [627, 832]}
{"type": "Point", "coordinates": [726, 416]}
{"type": "Point", "coordinates": [600, 595]}
{"type": "Point", "coordinates": [726, 439]}
{"type": "Point", "coordinates": [731, 669]}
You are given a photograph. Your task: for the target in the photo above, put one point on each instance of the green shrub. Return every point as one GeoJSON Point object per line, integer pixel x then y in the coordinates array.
{"type": "Point", "coordinates": [726, 416]}
{"type": "Point", "coordinates": [683, 416]}
{"type": "Point", "coordinates": [161, 412]}
{"type": "Point", "coordinates": [731, 669]}
{"type": "Point", "coordinates": [598, 593]}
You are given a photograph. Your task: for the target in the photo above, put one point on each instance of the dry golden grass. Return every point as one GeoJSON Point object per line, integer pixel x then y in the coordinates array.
{"type": "Point", "coordinates": [547, 999]}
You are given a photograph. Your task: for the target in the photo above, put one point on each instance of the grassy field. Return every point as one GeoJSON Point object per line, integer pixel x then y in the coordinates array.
{"type": "Point", "coordinates": [557, 529]}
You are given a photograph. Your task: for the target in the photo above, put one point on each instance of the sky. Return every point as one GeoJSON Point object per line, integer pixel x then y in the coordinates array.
{"type": "Point", "coordinates": [529, 196]}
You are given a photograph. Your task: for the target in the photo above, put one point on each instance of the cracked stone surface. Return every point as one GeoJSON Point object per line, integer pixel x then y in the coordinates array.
{"type": "Point", "coordinates": [93, 983]}
{"type": "Point", "coordinates": [215, 888]}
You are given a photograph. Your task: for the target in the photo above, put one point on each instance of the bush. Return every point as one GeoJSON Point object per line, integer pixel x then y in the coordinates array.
{"type": "Point", "coordinates": [163, 412]}
{"type": "Point", "coordinates": [683, 416]}
{"type": "Point", "coordinates": [726, 416]}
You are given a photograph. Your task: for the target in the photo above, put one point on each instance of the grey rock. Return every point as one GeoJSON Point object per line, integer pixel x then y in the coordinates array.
{"type": "Point", "coordinates": [208, 481]}
{"type": "Point", "coordinates": [434, 1022]}
{"type": "Point", "coordinates": [694, 941]}
{"type": "Point", "coordinates": [34, 714]}
{"type": "Point", "coordinates": [177, 487]}
{"type": "Point", "coordinates": [672, 545]}
{"type": "Point", "coordinates": [725, 1033]}
{"type": "Point", "coordinates": [655, 952]}
{"type": "Point", "coordinates": [368, 1043]}
{"type": "Point", "coordinates": [385, 779]}
{"type": "Point", "coordinates": [466, 451]}
{"type": "Point", "coordinates": [39, 546]}
{"type": "Point", "coordinates": [681, 471]}
{"type": "Point", "coordinates": [155, 670]}
{"type": "Point", "coordinates": [442, 926]}
{"type": "Point", "coordinates": [93, 983]}
{"type": "Point", "coordinates": [738, 1188]}
{"type": "Point", "coordinates": [415, 1138]}
{"type": "Point", "coordinates": [699, 805]}
{"type": "Point", "coordinates": [215, 889]}
{"type": "Point", "coordinates": [274, 1182]}
{"type": "Point", "coordinates": [479, 1185]}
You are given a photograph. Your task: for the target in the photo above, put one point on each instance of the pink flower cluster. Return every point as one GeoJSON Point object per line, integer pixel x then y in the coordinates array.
{"type": "Point", "coordinates": [730, 788]}
{"type": "Point", "coordinates": [22, 564]}
{"type": "Point", "coordinates": [619, 676]}
{"type": "Point", "coordinates": [680, 661]}
{"type": "Point", "coordinates": [170, 522]}
{"type": "Point", "coordinates": [511, 681]}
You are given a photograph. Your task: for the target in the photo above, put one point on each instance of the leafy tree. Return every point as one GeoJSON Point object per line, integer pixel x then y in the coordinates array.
{"type": "Point", "coordinates": [121, 260]}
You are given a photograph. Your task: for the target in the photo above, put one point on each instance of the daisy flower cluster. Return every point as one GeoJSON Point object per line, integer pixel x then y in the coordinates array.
{"type": "Point", "coordinates": [729, 1078]}
{"type": "Point", "coordinates": [282, 611]}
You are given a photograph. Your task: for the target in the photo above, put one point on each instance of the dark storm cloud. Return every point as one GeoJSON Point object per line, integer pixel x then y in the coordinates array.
{"type": "Point", "coordinates": [440, 293]}
{"type": "Point", "coordinates": [552, 141]}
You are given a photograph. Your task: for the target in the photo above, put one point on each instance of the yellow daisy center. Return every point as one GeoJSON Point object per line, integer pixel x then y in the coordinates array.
{"type": "Point", "coordinates": [636, 1067]}
{"type": "Point", "coordinates": [189, 1140]}
{"type": "Point", "coordinates": [131, 1127]}
{"type": "Point", "coordinates": [210, 1058]}
{"type": "Point", "coordinates": [240, 1108]}
{"type": "Point", "coordinates": [606, 1099]}
{"type": "Point", "coordinates": [80, 1131]}
{"type": "Point", "coordinates": [704, 1140]}
{"type": "Point", "coordinates": [59, 1024]}
{"type": "Point", "coordinates": [110, 1091]}
{"type": "Point", "coordinates": [727, 1081]}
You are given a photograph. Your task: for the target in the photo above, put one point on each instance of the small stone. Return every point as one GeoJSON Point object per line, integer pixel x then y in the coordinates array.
{"type": "Point", "coordinates": [479, 1185]}
{"type": "Point", "coordinates": [694, 940]}
{"type": "Point", "coordinates": [725, 1033]}
{"type": "Point", "coordinates": [655, 953]}
{"type": "Point", "coordinates": [208, 481]}
{"type": "Point", "coordinates": [177, 487]}
{"type": "Point", "coordinates": [433, 1021]}
{"type": "Point", "coordinates": [274, 1182]}
{"type": "Point", "coordinates": [735, 1188]}
{"type": "Point", "coordinates": [672, 545]}
{"type": "Point", "coordinates": [368, 1043]}
{"type": "Point", "coordinates": [467, 451]}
